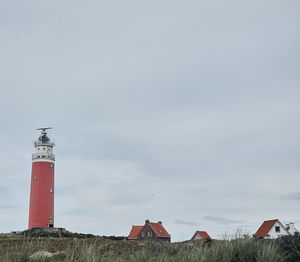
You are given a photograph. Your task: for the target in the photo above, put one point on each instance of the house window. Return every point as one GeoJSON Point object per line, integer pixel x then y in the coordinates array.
{"type": "Point", "coordinates": [143, 234]}
{"type": "Point", "coordinates": [149, 234]}
{"type": "Point", "coordinates": [277, 229]}
{"type": "Point", "coordinates": [34, 203]}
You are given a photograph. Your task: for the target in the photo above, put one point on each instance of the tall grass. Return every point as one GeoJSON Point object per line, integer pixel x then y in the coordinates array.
{"type": "Point", "coordinates": [82, 252]}
{"type": "Point", "coordinates": [19, 250]}
{"type": "Point", "coordinates": [99, 249]}
{"type": "Point", "coordinates": [240, 250]}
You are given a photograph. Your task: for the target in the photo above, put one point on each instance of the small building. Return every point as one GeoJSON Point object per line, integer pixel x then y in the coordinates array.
{"type": "Point", "coordinates": [201, 235]}
{"type": "Point", "coordinates": [271, 229]}
{"type": "Point", "coordinates": [150, 231]}
{"type": "Point", "coordinates": [290, 227]}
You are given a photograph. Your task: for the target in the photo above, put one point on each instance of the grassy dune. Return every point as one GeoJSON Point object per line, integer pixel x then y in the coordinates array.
{"type": "Point", "coordinates": [19, 248]}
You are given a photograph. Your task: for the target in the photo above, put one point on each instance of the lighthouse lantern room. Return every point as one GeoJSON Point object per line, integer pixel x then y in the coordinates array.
{"type": "Point", "coordinates": [41, 207]}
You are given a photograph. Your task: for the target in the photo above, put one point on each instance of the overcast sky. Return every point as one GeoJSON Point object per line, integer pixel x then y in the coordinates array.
{"type": "Point", "coordinates": [181, 111]}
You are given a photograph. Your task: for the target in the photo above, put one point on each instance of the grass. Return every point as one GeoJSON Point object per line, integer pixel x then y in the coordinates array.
{"type": "Point", "coordinates": [18, 248]}
{"type": "Point", "coordinates": [241, 250]}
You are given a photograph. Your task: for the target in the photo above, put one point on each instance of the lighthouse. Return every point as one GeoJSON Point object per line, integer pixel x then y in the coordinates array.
{"type": "Point", "coordinates": [41, 207]}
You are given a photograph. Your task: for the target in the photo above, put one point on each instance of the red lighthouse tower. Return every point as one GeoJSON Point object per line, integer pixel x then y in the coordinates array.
{"type": "Point", "coordinates": [41, 208]}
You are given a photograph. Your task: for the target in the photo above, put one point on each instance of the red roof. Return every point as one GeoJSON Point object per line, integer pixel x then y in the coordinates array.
{"type": "Point", "coordinates": [265, 228]}
{"type": "Point", "coordinates": [202, 234]}
{"type": "Point", "coordinates": [159, 230]}
{"type": "Point", "coordinates": [135, 230]}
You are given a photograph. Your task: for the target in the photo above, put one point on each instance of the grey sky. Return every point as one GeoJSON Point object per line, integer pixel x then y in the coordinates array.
{"type": "Point", "coordinates": [180, 111]}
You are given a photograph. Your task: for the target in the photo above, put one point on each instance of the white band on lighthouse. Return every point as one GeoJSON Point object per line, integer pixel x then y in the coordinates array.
{"type": "Point", "coordinates": [43, 149]}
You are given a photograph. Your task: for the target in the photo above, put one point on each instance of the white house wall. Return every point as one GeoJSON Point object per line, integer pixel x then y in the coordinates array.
{"type": "Point", "coordinates": [273, 234]}
{"type": "Point", "coordinates": [197, 237]}
{"type": "Point", "coordinates": [292, 229]}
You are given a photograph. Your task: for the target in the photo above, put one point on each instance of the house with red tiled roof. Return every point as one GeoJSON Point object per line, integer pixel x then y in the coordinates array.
{"type": "Point", "coordinates": [150, 231]}
{"type": "Point", "coordinates": [201, 235]}
{"type": "Point", "coordinates": [271, 229]}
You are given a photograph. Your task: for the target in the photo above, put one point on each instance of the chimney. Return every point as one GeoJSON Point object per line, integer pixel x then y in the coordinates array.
{"type": "Point", "coordinates": [147, 221]}
{"type": "Point", "coordinates": [159, 222]}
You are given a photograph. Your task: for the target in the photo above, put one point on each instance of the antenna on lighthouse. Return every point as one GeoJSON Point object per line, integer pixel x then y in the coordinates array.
{"type": "Point", "coordinates": [43, 129]}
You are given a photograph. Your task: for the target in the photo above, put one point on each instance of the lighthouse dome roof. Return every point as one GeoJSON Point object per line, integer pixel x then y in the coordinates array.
{"type": "Point", "coordinates": [44, 138]}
